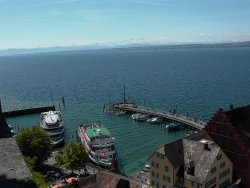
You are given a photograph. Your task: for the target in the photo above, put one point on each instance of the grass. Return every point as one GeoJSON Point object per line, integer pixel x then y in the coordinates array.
{"type": "Point", "coordinates": [40, 180]}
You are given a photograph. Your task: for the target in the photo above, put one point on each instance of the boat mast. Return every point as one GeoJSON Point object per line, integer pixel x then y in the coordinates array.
{"type": "Point", "coordinates": [124, 94]}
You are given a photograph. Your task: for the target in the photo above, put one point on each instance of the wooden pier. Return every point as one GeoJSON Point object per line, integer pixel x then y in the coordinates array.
{"type": "Point", "coordinates": [131, 108]}
{"type": "Point", "coordinates": [28, 111]}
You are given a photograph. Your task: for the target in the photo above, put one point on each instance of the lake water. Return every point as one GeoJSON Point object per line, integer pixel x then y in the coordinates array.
{"type": "Point", "coordinates": [197, 81]}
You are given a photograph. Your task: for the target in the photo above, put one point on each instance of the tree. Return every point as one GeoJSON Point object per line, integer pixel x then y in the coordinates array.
{"type": "Point", "coordinates": [35, 145]}
{"type": "Point", "coordinates": [72, 157]}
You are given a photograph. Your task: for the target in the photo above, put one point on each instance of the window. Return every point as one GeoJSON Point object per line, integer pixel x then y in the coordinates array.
{"type": "Point", "coordinates": [225, 173]}
{"type": "Point", "coordinates": [222, 165]}
{"type": "Point", "coordinates": [164, 186]}
{"type": "Point", "coordinates": [153, 173]}
{"type": "Point", "coordinates": [210, 182]}
{"type": "Point", "coordinates": [158, 155]}
{"type": "Point", "coordinates": [168, 179]}
{"type": "Point", "coordinates": [162, 156]}
{"type": "Point", "coordinates": [213, 170]}
{"type": "Point", "coordinates": [152, 163]}
{"type": "Point", "coordinates": [195, 184]}
{"type": "Point", "coordinates": [157, 175]}
{"type": "Point", "coordinates": [219, 156]}
{"type": "Point", "coordinates": [153, 183]}
{"type": "Point", "coordinates": [166, 168]}
{"type": "Point", "coordinates": [164, 178]}
{"type": "Point", "coordinates": [225, 184]}
{"type": "Point", "coordinates": [157, 165]}
{"type": "Point", "coordinates": [157, 185]}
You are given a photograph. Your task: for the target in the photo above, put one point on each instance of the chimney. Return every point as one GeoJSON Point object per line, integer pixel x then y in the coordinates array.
{"type": "Point", "coordinates": [206, 147]}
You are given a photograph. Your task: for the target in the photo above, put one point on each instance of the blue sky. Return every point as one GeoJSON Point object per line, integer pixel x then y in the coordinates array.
{"type": "Point", "coordinates": [46, 23]}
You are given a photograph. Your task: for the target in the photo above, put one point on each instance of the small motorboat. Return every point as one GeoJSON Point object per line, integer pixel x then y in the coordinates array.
{"type": "Point", "coordinates": [155, 120]}
{"type": "Point", "coordinates": [139, 117]}
{"type": "Point", "coordinates": [175, 126]}
{"type": "Point", "coordinates": [121, 113]}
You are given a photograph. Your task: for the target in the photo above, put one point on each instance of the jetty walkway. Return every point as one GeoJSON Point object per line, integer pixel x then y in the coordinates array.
{"type": "Point", "coordinates": [28, 111]}
{"type": "Point", "coordinates": [131, 108]}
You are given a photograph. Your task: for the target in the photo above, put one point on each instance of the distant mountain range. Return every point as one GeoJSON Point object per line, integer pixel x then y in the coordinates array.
{"type": "Point", "coordinates": [120, 46]}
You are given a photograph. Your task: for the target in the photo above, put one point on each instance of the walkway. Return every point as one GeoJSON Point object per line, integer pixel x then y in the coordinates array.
{"type": "Point", "coordinates": [192, 122]}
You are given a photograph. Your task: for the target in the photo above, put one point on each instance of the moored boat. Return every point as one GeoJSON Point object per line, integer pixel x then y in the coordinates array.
{"type": "Point", "coordinates": [52, 123]}
{"type": "Point", "coordinates": [174, 126]}
{"type": "Point", "coordinates": [155, 120]}
{"type": "Point", "coordinates": [139, 117]}
{"type": "Point", "coordinates": [99, 144]}
{"type": "Point", "coordinates": [11, 129]}
{"type": "Point", "coordinates": [121, 113]}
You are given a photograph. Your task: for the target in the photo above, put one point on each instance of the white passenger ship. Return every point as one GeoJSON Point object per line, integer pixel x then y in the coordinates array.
{"type": "Point", "coordinates": [99, 144]}
{"type": "Point", "coordinates": [52, 123]}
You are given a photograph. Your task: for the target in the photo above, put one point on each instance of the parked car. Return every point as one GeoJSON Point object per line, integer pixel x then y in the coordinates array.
{"type": "Point", "coordinates": [53, 174]}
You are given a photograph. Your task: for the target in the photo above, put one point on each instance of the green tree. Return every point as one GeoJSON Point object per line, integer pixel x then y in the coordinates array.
{"type": "Point", "coordinates": [35, 145]}
{"type": "Point", "coordinates": [72, 157]}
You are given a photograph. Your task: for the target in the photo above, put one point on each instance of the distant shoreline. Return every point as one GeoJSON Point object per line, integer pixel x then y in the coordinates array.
{"type": "Point", "coordinates": [10, 52]}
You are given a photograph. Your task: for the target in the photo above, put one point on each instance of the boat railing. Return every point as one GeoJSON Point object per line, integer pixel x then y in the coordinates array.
{"type": "Point", "coordinates": [51, 126]}
{"type": "Point", "coordinates": [110, 152]}
{"type": "Point", "coordinates": [55, 139]}
{"type": "Point", "coordinates": [57, 130]}
{"type": "Point", "coordinates": [102, 141]}
{"type": "Point", "coordinates": [104, 145]}
{"type": "Point", "coordinates": [51, 133]}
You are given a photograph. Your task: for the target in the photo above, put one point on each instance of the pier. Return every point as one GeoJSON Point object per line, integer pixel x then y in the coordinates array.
{"type": "Point", "coordinates": [28, 111]}
{"type": "Point", "coordinates": [132, 108]}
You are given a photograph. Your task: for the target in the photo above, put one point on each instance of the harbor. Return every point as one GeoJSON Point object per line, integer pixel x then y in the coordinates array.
{"type": "Point", "coordinates": [156, 93]}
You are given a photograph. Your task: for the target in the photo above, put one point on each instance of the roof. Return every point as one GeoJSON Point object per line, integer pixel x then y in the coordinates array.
{"type": "Point", "coordinates": [96, 132]}
{"type": "Point", "coordinates": [13, 171]}
{"type": "Point", "coordinates": [108, 179]}
{"type": "Point", "coordinates": [174, 150]}
{"type": "Point", "coordinates": [105, 179]}
{"type": "Point", "coordinates": [203, 159]}
{"type": "Point", "coordinates": [182, 151]}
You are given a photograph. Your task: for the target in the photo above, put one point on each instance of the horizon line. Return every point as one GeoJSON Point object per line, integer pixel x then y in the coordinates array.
{"type": "Point", "coordinates": [100, 46]}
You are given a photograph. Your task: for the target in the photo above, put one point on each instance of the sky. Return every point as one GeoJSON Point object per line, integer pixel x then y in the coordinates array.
{"type": "Point", "coordinates": [50, 23]}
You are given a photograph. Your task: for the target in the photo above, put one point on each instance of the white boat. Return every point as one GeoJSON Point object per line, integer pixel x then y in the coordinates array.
{"type": "Point", "coordinates": [139, 117]}
{"type": "Point", "coordinates": [191, 132]}
{"type": "Point", "coordinates": [121, 113]}
{"type": "Point", "coordinates": [155, 120]}
{"type": "Point", "coordinates": [11, 130]}
{"type": "Point", "coordinates": [52, 123]}
{"type": "Point", "coordinates": [99, 144]}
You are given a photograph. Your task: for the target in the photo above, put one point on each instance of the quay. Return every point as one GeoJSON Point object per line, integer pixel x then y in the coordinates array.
{"type": "Point", "coordinates": [132, 108]}
{"type": "Point", "coordinates": [28, 111]}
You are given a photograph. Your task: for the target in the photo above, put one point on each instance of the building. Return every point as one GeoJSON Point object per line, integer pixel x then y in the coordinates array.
{"type": "Point", "coordinates": [194, 161]}
{"type": "Point", "coordinates": [13, 170]}
{"type": "Point", "coordinates": [231, 131]}
{"type": "Point", "coordinates": [107, 179]}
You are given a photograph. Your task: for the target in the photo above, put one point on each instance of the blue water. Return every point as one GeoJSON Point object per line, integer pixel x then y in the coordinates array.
{"type": "Point", "coordinates": [197, 81]}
